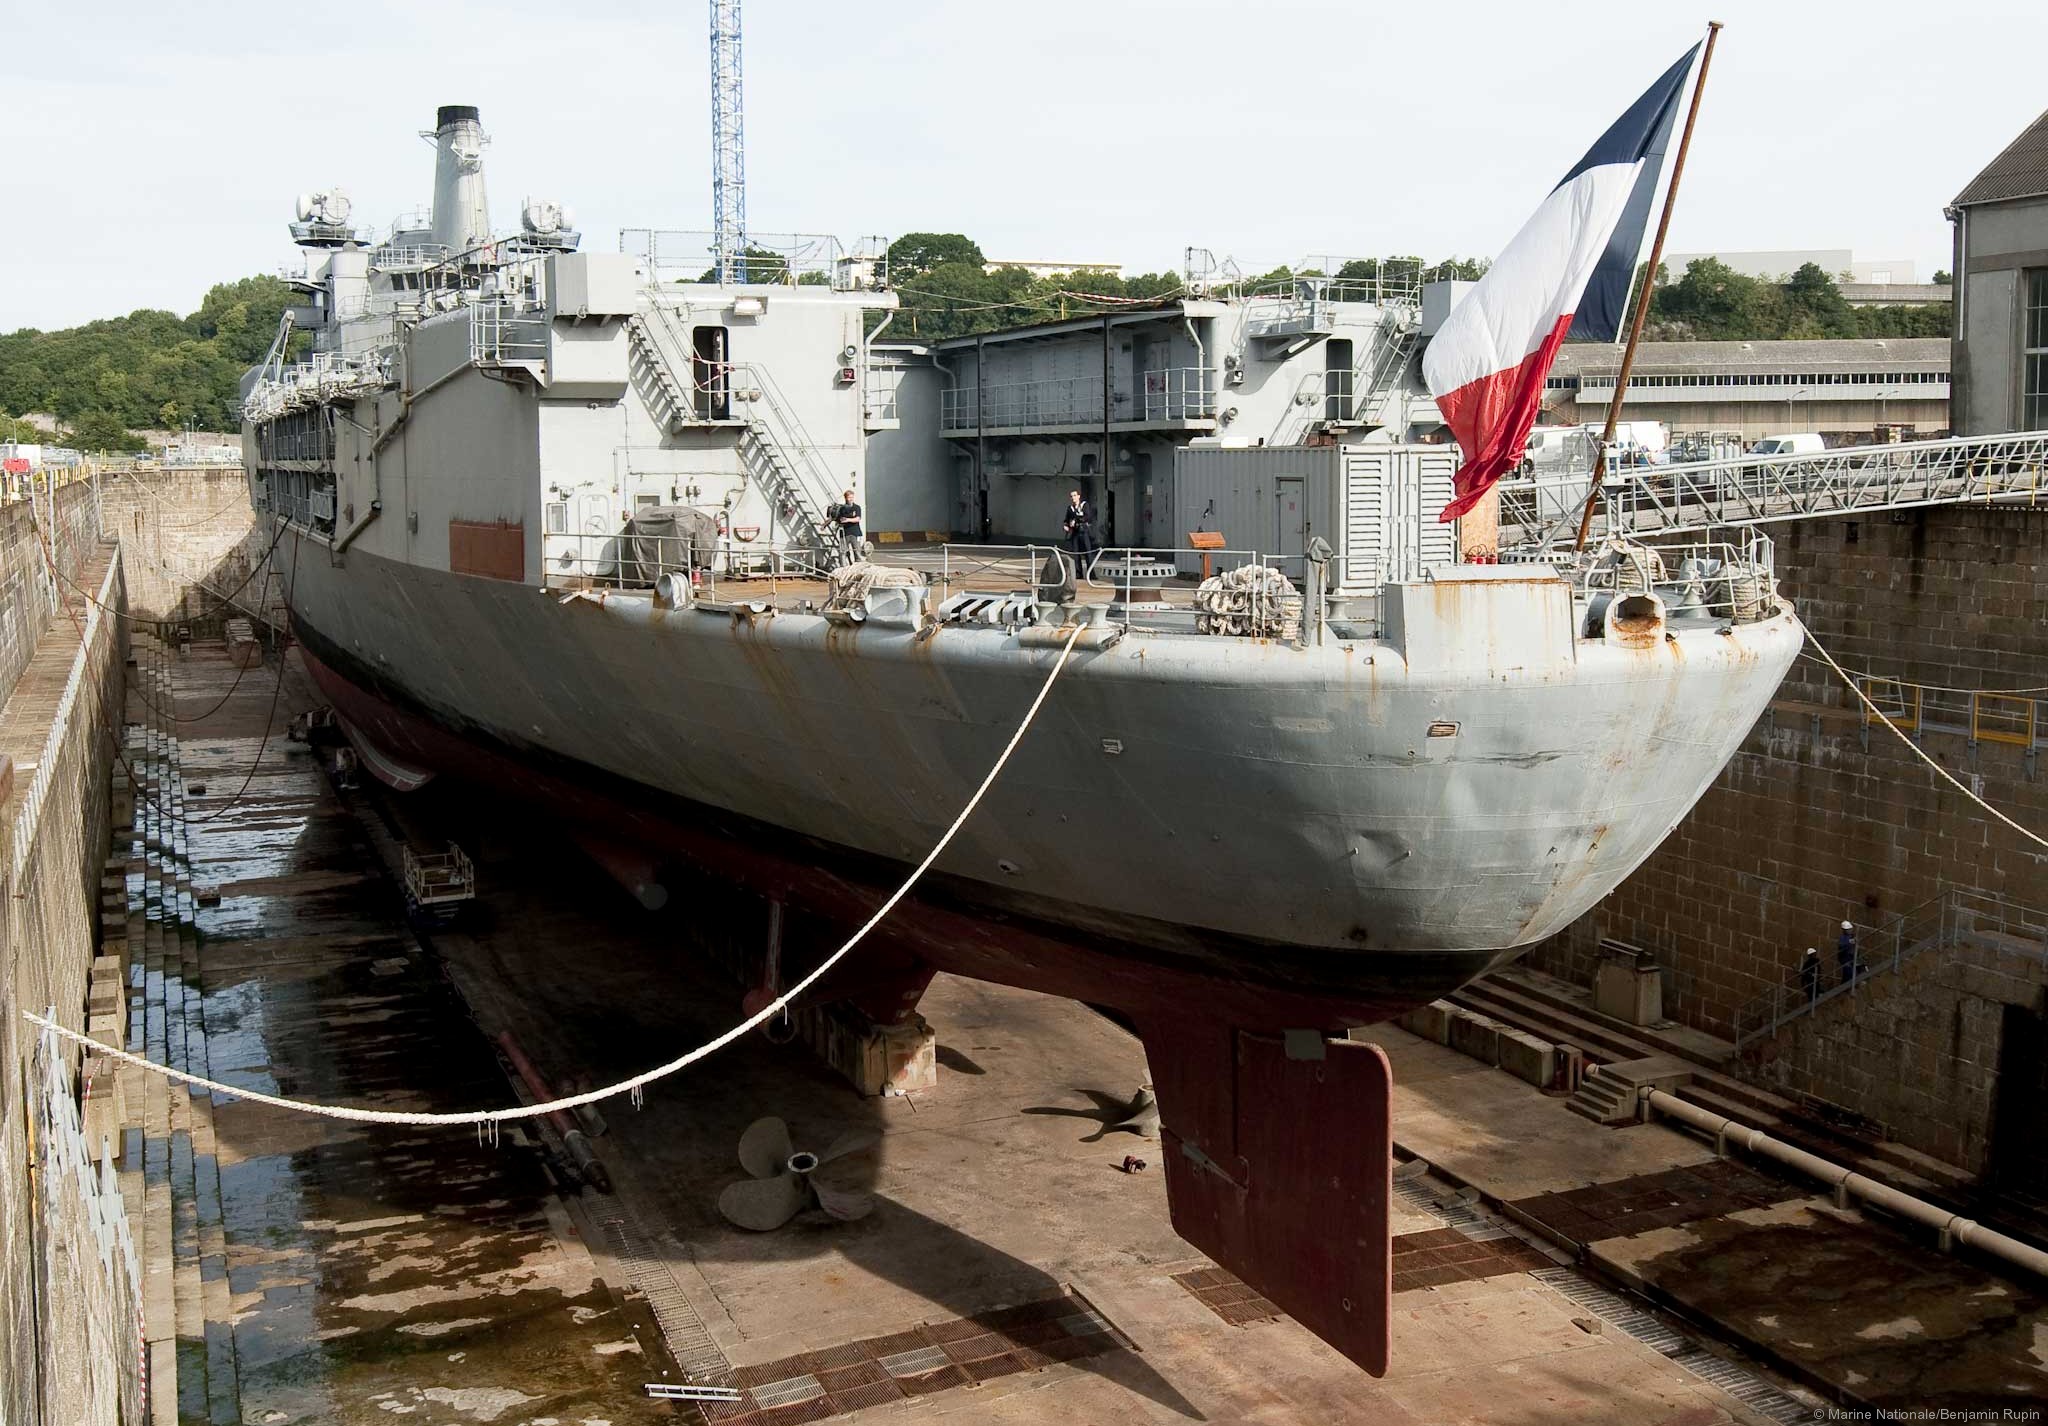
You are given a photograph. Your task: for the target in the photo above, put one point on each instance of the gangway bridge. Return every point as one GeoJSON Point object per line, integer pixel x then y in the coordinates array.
{"type": "Point", "coordinates": [1641, 501]}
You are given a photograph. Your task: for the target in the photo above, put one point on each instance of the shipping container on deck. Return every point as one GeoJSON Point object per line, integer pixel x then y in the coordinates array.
{"type": "Point", "coordinates": [1377, 505]}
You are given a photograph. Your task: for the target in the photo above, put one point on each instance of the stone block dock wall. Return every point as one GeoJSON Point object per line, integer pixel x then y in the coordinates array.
{"type": "Point", "coordinates": [70, 1303]}
{"type": "Point", "coordinates": [1823, 818]}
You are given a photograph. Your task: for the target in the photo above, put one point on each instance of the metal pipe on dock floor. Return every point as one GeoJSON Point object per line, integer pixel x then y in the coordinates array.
{"type": "Point", "coordinates": [1847, 1184]}
{"type": "Point", "coordinates": [573, 1139]}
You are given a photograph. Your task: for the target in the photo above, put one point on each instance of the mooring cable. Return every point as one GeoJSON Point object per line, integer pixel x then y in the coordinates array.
{"type": "Point", "coordinates": [276, 693]}
{"type": "Point", "coordinates": [262, 745]}
{"type": "Point", "coordinates": [46, 547]}
{"type": "Point", "coordinates": [226, 600]}
{"type": "Point", "coordinates": [483, 1117]}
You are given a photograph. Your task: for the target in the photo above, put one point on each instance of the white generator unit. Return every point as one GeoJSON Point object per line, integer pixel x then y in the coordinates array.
{"type": "Point", "coordinates": [1378, 506]}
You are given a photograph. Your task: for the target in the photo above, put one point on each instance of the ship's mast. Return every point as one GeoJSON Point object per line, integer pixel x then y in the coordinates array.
{"type": "Point", "coordinates": [728, 144]}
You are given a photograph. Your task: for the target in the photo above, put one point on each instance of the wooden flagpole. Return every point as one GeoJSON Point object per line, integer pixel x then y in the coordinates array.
{"type": "Point", "coordinates": [1635, 330]}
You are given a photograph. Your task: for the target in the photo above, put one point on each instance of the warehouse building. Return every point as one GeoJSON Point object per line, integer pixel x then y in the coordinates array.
{"type": "Point", "coordinates": [1850, 391]}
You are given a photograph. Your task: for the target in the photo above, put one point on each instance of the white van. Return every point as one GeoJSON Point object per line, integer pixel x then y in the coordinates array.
{"type": "Point", "coordinates": [1806, 443]}
{"type": "Point", "coordinates": [1556, 448]}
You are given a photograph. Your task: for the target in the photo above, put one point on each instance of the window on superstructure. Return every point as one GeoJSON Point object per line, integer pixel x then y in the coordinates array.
{"type": "Point", "coordinates": [2034, 354]}
{"type": "Point", "coordinates": [557, 516]}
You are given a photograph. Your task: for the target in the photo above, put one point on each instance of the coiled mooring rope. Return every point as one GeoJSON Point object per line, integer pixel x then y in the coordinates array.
{"type": "Point", "coordinates": [486, 1117]}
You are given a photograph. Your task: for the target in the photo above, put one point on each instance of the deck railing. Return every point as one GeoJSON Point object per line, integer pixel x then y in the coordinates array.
{"type": "Point", "coordinates": [1755, 489]}
{"type": "Point", "coordinates": [2018, 717]}
{"type": "Point", "coordinates": [1733, 578]}
{"type": "Point", "coordinates": [1134, 585]}
{"type": "Point", "coordinates": [1182, 393]}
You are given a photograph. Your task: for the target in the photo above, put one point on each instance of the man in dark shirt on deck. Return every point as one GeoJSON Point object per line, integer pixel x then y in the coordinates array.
{"type": "Point", "coordinates": [845, 518]}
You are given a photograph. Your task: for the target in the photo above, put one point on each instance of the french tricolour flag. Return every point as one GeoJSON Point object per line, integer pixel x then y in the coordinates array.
{"type": "Point", "coordinates": [1569, 270]}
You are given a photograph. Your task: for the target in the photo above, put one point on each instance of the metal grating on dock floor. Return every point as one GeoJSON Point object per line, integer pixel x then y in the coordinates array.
{"type": "Point", "coordinates": [1612, 1308]}
{"type": "Point", "coordinates": [1732, 1377]}
{"type": "Point", "coordinates": [1454, 1213]}
{"type": "Point", "coordinates": [1744, 1385]}
{"type": "Point", "coordinates": [688, 1341]}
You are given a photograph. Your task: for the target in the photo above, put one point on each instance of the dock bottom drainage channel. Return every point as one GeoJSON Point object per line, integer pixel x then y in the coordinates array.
{"type": "Point", "coordinates": [1738, 1381]}
{"type": "Point", "coordinates": [932, 1357]}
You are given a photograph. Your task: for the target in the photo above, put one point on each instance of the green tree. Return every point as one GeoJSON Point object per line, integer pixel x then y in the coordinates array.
{"type": "Point", "coordinates": [1816, 307]}
{"type": "Point", "coordinates": [241, 317]}
{"type": "Point", "coordinates": [915, 254]}
{"type": "Point", "coordinates": [129, 368]}
{"type": "Point", "coordinates": [101, 432]}
{"type": "Point", "coordinates": [1932, 319]}
{"type": "Point", "coordinates": [1716, 303]}
{"type": "Point", "coordinates": [1942, 277]}
{"type": "Point", "coordinates": [763, 265]}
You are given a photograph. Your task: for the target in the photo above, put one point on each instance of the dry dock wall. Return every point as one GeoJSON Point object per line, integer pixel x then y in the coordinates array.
{"type": "Point", "coordinates": [1822, 818]}
{"type": "Point", "coordinates": [28, 592]}
{"type": "Point", "coordinates": [190, 539]}
{"type": "Point", "coordinates": [69, 1329]}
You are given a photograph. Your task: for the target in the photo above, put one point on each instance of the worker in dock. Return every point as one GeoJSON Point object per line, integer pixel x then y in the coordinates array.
{"type": "Point", "coordinates": [1809, 974]}
{"type": "Point", "coordinates": [1080, 528]}
{"type": "Point", "coordinates": [1845, 953]}
{"type": "Point", "coordinates": [845, 518]}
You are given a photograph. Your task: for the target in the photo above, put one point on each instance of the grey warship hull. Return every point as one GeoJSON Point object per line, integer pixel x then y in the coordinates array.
{"type": "Point", "coordinates": [1255, 812]}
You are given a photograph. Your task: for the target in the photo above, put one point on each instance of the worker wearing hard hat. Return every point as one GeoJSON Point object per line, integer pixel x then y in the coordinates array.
{"type": "Point", "coordinates": [1846, 968]}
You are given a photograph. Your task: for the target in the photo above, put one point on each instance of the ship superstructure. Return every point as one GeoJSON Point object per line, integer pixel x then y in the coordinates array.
{"type": "Point", "coordinates": [560, 521]}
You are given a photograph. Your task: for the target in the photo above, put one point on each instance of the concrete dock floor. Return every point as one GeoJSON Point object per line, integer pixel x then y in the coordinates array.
{"type": "Point", "coordinates": [1861, 1310]}
{"type": "Point", "coordinates": [1009, 1273]}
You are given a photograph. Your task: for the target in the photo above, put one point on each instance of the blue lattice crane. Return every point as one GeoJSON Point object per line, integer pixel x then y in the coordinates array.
{"type": "Point", "coordinates": [728, 144]}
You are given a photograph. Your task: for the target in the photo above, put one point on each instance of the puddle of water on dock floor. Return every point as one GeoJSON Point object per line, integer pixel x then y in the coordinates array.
{"type": "Point", "coordinates": [375, 1272]}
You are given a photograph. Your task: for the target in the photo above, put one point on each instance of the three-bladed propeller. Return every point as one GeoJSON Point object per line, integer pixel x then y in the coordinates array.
{"type": "Point", "coordinates": [782, 1183]}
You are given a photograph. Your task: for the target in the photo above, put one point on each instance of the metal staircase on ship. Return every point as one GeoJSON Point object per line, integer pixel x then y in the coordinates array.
{"type": "Point", "coordinates": [779, 455]}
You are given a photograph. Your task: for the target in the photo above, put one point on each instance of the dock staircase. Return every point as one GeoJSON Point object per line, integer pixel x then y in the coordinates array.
{"type": "Point", "coordinates": [1955, 917]}
{"type": "Point", "coordinates": [1564, 1015]}
{"type": "Point", "coordinates": [1604, 1099]}
{"type": "Point", "coordinates": [169, 1166]}
{"type": "Point", "coordinates": [778, 454]}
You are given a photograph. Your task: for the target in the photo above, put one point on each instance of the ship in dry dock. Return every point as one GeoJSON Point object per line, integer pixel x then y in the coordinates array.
{"type": "Point", "coordinates": [557, 521]}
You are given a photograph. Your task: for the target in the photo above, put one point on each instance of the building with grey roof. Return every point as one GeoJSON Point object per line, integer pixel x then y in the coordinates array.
{"type": "Point", "coordinates": [1847, 390]}
{"type": "Point", "coordinates": [1778, 264]}
{"type": "Point", "coordinates": [1895, 294]}
{"type": "Point", "coordinates": [2000, 354]}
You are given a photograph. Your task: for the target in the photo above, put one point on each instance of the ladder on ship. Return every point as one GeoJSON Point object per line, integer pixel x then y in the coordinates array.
{"type": "Point", "coordinates": [1369, 385]}
{"type": "Point", "coordinates": [1385, 361]}
{"type": "Point", "coordinates": [785, 466]}
{"type": "Point", "coordinates": [778, 453]}
{"type": "Point", "coordinates": [1642, 501]}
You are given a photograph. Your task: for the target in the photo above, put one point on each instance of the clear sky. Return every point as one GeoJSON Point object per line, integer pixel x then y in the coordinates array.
{"type": "Point", "coordinates": [151, 150]}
